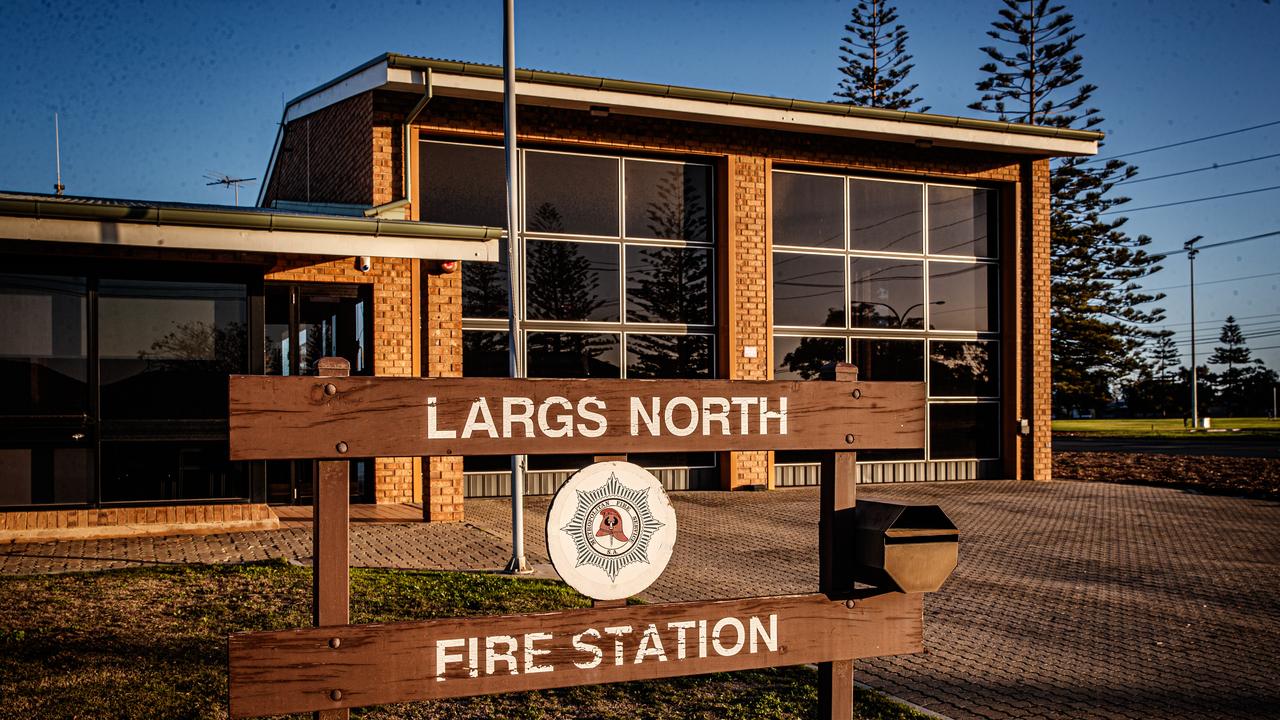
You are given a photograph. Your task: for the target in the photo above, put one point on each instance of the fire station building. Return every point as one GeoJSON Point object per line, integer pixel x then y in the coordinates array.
{"type": "Point", "coordinates": [668, 232]}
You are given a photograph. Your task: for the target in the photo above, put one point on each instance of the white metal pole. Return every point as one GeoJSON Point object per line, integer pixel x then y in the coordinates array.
{"type": "Point", "coordinates": [1195, 399]}
{"type": "Point", "coordinates": [517, 564]}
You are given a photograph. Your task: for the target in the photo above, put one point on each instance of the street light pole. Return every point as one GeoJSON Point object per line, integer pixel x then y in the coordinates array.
{"type": "Point", "coordinates": [1195, 400]}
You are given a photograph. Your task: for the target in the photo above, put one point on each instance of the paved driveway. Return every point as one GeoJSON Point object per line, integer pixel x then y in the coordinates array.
{"type": "Point", "coordinates": [1072, 600]}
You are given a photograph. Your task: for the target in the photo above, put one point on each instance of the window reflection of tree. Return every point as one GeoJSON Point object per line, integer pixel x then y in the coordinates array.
{"type": "Point", "coordinates": [199, 346]}
{"type": "Point", "coordinates": [673, 285]}
{"type": "Point", "coordinates": [484, 286]}
{"type": "Point", "coordinates": [967, 363]}
{"type": "Point", "coordinates": [812, 354]}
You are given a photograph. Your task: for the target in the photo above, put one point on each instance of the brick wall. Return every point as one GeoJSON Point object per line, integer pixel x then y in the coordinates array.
{"type": "Point", "coordinates": [325, 156]}
{"type": "Point", "coordinates": [1037, 375]}
{"type": "Point", "coordinates": [442, 335]}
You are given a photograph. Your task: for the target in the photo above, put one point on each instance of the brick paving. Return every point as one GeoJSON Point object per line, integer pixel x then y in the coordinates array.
{"type": "Point", "coordinates": [1072, 600]}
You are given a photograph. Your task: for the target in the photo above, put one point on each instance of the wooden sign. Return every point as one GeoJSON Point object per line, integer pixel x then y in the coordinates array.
{"type": "Point", "coordinates": [329, 668]}
{"type": "Point", "coordinates": [278, 418]}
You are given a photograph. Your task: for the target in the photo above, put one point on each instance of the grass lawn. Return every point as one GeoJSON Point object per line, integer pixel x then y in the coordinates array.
{"type": "Point", "coordinates": [151, 643]}
{"type": "Point", "coordinates": [1169, 427]}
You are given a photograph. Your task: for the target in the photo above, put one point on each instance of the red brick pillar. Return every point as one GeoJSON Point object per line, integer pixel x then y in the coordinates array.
{"type": "Point", "coordinates": [443, 331]}
{"type": "Point", "coordinates": [1038, 454]}
{"type": "Point", "coordinates": [746, 315]}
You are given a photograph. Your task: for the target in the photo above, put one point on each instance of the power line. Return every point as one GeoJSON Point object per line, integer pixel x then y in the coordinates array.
{"type": "Point", "coordinates": [1218, 320]}
{"type": "Point", "coordinates": [1192, 200]}
{"type": "Point", "coordinates": [1215, 166]}
{"type": "Point", "coordinates": [1259, 236]}
{"type": "Point", "coordinates": [1184, 142]}
{"type": "Point", "coordinates": [1211, 282]}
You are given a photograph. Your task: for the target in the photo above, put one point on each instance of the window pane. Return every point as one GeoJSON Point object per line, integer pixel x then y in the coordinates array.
{"type": "Point", "coordinates": [961, 221]}
{"type": "Point", "coordinates": [166, 348]}
{"type": "Point", "coordinates": [668, 285]}
{"type": "Point", "coordinates": [485, 354]}
{"type": "Point", "coordinates": [668, 200]}
{"type": "Point", "coordinates": [808, 210]}
{"type": "Point", "coordinates": [138, 471]}
{"type": "Point", "coordinates": [889, 359]}
{"type": "Point", "coordinates": [886, 293]}
{"type": "Point", "coordinates": [962, 297]}
{"type": "Point", "coordinates": [463, 184]}
{"type": "Point", "coordinates": [964, 430]}
{"type": "Point", "coordinates": [808, 289]}
{"type": "Point", "coordinates": [885, 216]}
{"type": "Point", "coordinates": [484, 287]}
{"type": "Point", "coordinates": [573, 355]}
{"type": "Point", "coordinates": [571, 194]}
{"type": "Point", "coordinates": [669, 356]}
{"type": "Point", "coordinates": [963, 368]}
{"type": "Point", "coordinates": [42, 474]}
{"type": "Point", "coordinates": [804, 358]}
{"type": "Point", "coordinates": [572, 281]}
{"type": "Point", "coordinates": [332, 323]}
{"type": "Point", "coordinates": [43, 363]}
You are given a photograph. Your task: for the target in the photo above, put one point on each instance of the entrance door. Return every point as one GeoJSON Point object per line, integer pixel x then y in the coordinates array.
{"type": "Point", "coordinates": [305, 322]}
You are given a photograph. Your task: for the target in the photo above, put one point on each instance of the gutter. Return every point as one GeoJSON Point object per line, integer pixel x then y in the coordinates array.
{"type": "Point", "coordinates": [406, 182]}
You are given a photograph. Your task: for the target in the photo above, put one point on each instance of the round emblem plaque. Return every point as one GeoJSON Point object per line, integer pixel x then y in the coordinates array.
{"type": "Point", "coordinates": [610, 530]}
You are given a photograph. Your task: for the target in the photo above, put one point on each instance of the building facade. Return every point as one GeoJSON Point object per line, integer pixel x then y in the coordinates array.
{"type": "Point", "coordinates": [667, 232]}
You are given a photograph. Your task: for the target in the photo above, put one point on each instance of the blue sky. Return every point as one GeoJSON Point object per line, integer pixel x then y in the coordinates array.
{"type": "Point", "coordinates": [153, 95]}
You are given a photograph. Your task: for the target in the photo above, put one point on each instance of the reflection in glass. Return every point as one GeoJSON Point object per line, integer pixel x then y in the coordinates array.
{"type": "Point", "coordinates": [963, 296]}
{"type": "Point", "coordinates": [668, 201]}
{"type": "Point", "coordinates": [961, 221]}
{"type": "Point", "coordinates": [572, 280]}
{"type": "Point", "coordinates": [463, 184]}
{"type": "Point", "coordinates": [963, 368]}
{"type": "Point", "coordinates": [484, 287]}
{"type": "Point", "coordinates": [278, 338]}
{"type": "Point", "coordinates": [804, 358]}
{"type": "Point", "coordinates": [44, 474]}
{"type": "Point", "coordinates": [485, 354]}
{"type": "Point", "coordinates": [43, 365]}
{"type": "Point", "coordinates": [332, 323]}
{"type": "Point", "coordinates": [808, 210]}
{"type": "Point", "coordinates": [885, 216]}
{"type": "Point", "coordinates": [177, 470]}
{"type": "Point", "coordinates": [166, 348]}
{"type": "Point", "coordinates": [888, 359]}
{"type": "Point", "coordinates": [886, 293]}
{"type": "Point", "coordinates": [668, 285]}
{"type": "Point", "coordinates": [572, 194]}
{"type": "Point", "coordinates": [668, 356]}
{"type": "Point", "coordinates": [808, 290]}
{"type": "Point", "coordinates": [964, 430]}
{"type": "Point", "coordinates": [573, 355]}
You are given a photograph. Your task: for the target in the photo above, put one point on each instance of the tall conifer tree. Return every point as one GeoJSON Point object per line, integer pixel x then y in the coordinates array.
{"type": "Point", "coordinates": [876, 64]}
{"type": "Point", "coordinates": [1099, 316]}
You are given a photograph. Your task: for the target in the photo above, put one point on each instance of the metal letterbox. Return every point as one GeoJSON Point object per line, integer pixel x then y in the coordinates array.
{"type": "Point", "coordinates": [912, 548]}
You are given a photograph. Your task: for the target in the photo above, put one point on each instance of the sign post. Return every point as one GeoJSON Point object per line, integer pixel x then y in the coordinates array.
{"type": "Point", "coordinates": [614, 512]}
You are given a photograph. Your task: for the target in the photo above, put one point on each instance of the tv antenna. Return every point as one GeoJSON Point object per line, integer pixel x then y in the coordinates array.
{"type": "Point", "coordinates": [228, 181]}
{"type": "Point", "coordinates": [58, 187]}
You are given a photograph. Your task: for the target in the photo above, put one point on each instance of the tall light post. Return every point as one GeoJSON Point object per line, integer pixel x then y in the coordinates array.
{"type": "Point", "coordinates": [1192, 251]}
{"type": "Point", "coordinates": [515, 283]}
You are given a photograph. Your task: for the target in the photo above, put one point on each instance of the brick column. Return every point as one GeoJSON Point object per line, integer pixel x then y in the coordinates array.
{"type": "Point", "coordinates": [443, 331]}
{"type": "Point", "coordinates": [1037, 378]}
{"type": "Point", "coordinates": [746, 313]}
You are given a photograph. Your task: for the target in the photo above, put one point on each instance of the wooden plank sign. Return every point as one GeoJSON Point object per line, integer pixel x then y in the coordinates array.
{"type": "Point", "coordinates": [277, 418]}
{"type": "Point", "coordinates": [329, 668]}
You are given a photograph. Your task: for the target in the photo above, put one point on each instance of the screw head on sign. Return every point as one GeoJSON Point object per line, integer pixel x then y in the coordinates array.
{"type": "Point", "coordinates": [330, 389]}
{"type": "Point", "coordinates": [342, 448]}
{"type": "Point", "coordinates": [335, 642]}
{"type": "Point", "coordinates": [849, 439]}
{"type": "Point", "coordinates": [335, 694]}
{"type": "Point", "coordinates": [857, 394]}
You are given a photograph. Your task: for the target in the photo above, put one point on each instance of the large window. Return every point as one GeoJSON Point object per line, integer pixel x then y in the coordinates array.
{"type": "Point", "coordinates": [116, 386]}
{"type": "Point", "coordinates": [899, 278]}
{"type": "Point", "coordinates": [618, 259]}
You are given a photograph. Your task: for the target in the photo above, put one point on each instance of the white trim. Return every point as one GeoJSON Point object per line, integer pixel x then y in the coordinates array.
{"type": "Point", "coordinates": [127, 234]}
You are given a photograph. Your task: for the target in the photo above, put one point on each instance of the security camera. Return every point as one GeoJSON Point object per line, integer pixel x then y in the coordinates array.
{"type": "Point", "coordinates": [364, 263]}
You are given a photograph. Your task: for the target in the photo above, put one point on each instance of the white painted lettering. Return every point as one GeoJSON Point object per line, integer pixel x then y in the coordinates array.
{"type": "Point", "coordinates": [680, 627]}
{"type": "Point", "coordinates": [770, 638]}
{"type": "Point", "coordinates": [617, 632]}
{"type": "Point", "coordinates": [702, 638]}
{"type": "Point", "coordinates": [744, 418]}
{"type": "Point", "coordinates": [766, 415]}
{"type": "Point", "coordinates": [444, 657]}
{"type": "Point", "coordinates": [491, 658]}
{"type": "Point", "coordinates": [510, 417]}
{"type": "Point", "coordinates": [741, 637]}
{"type": "Point", "coordinates": [639, 414]}
{"type": "Point", "coordinates": [473, 657]}
{"type": "Point", "coordinates": [720, 416]}
{"type": "Point", "coordinates": [650, 645]}
{"type": "Point", "coordinates": [479, 418]}
{"type": "Point", "coordinates": [591, 649]}
{"type": "Point", "coordinates": [669, 419]}
{"type": "Point", "coordinates": [591, 416]}
{"type": "Point", "coordinates": [531, 653]}
{"type": "Point", "coordinates": [434, 433]}
{"type": "Point", "coordinates": [564, 422]}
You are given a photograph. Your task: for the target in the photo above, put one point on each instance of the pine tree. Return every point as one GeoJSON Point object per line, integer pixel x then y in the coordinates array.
{"type": "Point", "coordinates": [1165, 356]}
{"type": "Point", "coordinates": [1098, 318]}
{"type": "Point", "coordinates": [876, 62]}
{"type": "Point", "coordinates": [1236, 356]}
